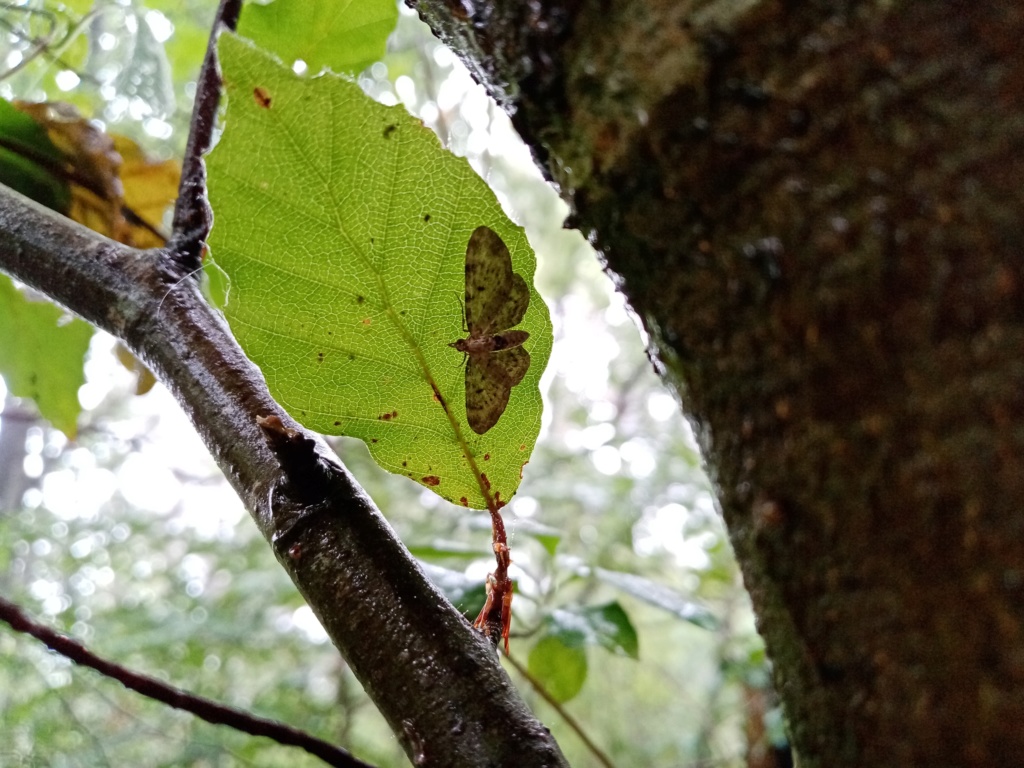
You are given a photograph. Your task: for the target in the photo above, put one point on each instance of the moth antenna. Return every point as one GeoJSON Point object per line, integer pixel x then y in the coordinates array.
{"type": "Point", "coordinates": [462, 311]}
{"type": "Point", "coordinates": [176, 284]}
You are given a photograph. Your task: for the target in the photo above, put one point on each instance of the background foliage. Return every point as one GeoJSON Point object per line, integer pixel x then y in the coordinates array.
{"type": "Point", "coordinates": [628, 606]}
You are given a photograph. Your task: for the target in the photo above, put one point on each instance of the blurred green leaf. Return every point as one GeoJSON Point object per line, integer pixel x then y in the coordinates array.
{"type": "Point", "coordinates": [25, 153]}
{"type": "Point", "coordinates": [342, 226]}
{"type": "Point", "coordinates": [344, 36]}
{"type": "Point", "coordinates": [605, 625]}
{"type": "Point", "coordinates": [660, 596]}
{"type": "Point", "coordinates": [41, 355]}
{"type": "Point", "coordinates": [560, 668]}
{"type": "Point", "coordinates": [548, 536]}
{"type": "Point", "coordinates": [549, 542]}
{"type": "Point", "coordinates": [615, 632]}
{"type": "Point", "coordinates": [444, 550]}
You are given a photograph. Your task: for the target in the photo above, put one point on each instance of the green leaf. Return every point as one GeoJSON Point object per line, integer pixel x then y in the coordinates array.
{"type": "Point", "coordinates": [342, 226]}
{"type": "Point", "coordinates": [41, 356]}
{"type": "Point", "coordinates": [25, 151]}
{"type": "Point", "coordinates": [549, 542]}
{"type": "Point", "coordinates": [659, 596]}
{"type": "Point", "coordinates": [560, 668]}
{"type": "Point", "coordinates": [605, 625]}
{"type": "Point", "coordinates": [342, 36]}
{"type": "Point", "coordinates": [547, 536]}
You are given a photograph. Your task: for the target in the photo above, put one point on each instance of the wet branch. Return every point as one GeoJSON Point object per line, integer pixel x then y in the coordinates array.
{"type": "Point", "coordinates": [425, 668]}
{"type": "Point", "coordinates": [192, 215]}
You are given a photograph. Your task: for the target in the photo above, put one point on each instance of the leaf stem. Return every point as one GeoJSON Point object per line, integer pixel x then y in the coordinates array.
{"type": "Point", "coordinates": [496, 616]}
{"type": "Point", "coordinates": [571, 721]}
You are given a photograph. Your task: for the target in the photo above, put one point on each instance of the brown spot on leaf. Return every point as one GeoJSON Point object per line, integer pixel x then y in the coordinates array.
{"type": "Point", "coordinates": [521, 468]}
{"type": "Point", "coordinates": [464, 501]}
{"type": "Point", "coordinates": [432, 480]}
{"type": "Point", "coordinates": [360, 299]}
{"type": "Point", "coordinates": [373, 440]}
{"type": "Point", "coordinates": [320, 357]}
{"type": "Point", "coordinates": [384, 417]}
{"type": "Point", "coordinates": [261, 96]}
{"type": "Point", "coordinates": [487, 457]}
{"type": "Point", "coordinates": [485, 481]}
{"type": "Point", "coordinates": [426, 218]}
{"type": "Point", "coordinates": [367, 321]}
{"type": "Point", "coordinates": [389, 129]}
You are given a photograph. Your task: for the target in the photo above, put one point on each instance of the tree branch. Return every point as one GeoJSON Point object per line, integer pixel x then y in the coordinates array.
{"type": "Point", "coordinates": [192, 215]}
{"type": "Point", "coordinates": [155, 689]}
{"type": "Point", "coordinates": [436, 681]}
{"type": "Point", "coordinates": [816, 210]}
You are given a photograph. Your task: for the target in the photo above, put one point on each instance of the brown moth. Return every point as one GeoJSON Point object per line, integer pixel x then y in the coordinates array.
{"type": "Point", "coordinates": [496, 300]}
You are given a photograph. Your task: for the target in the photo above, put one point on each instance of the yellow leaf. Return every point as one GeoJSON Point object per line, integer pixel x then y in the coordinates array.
{"type": "Point", "coordinates": [116, 189]}
{"type": "Point", "coordinates": [92, 163]}
{"type": "Point", "coordinates": [144, 378]}
{"type": "Point", "coordinates": [150, 188]}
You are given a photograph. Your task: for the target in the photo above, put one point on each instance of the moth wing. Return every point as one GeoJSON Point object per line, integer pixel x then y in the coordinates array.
{"type": "Point", "coordinates": [514, 362]}
{"type": "Point", "coordinates": [489, 381]}
{"type": "Point", "coordinates": [496, 297]}
{"type": "Point", "coordinates": [512, 309]}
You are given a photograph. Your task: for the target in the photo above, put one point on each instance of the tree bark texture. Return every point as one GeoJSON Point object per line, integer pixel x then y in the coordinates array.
{"type": "Point", "coordinates": [816, 210]}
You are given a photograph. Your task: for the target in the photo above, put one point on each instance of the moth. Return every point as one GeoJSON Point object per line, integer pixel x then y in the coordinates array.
{"type": "Point", "coordinates": [496, 300]}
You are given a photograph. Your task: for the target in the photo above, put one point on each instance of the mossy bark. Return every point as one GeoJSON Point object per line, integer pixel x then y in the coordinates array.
{"type": "Point", "coordinates": [816, 208]}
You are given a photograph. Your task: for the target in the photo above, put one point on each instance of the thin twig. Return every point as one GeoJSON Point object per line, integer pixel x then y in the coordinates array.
{"type": "Point", "coordinates": [42, 43]}
{"type": "Point", "coordinates": [203, 708]}
{"type": "Point", "coordinates": [192, 217]}
{"type": "Point", "coordinates": [571, 721]}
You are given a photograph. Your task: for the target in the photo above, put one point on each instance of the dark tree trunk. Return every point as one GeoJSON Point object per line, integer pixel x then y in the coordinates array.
{"type": "Point", "coordinates": [816, 209]}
